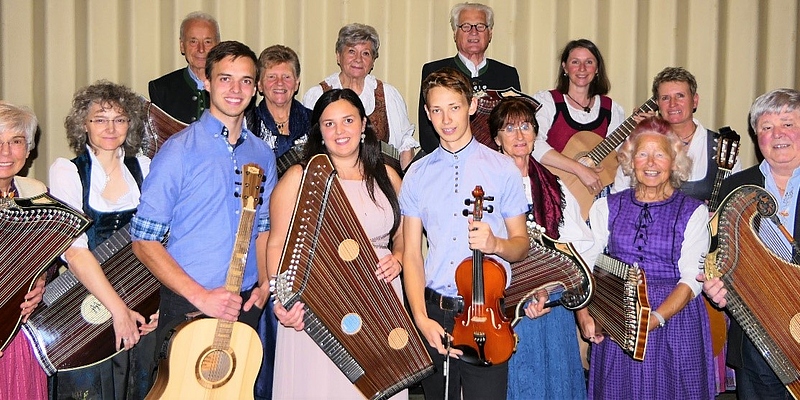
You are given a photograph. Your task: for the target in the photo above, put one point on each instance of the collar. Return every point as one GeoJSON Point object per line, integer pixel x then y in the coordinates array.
{"type": "Point", "coordinates": [464, 151]}
{"type": "Point", "coordinates": [211, 124]}
{"type": "Point", "coordinates": [474, 70]}
{"type": "Point", "coordinates": [198, 81]}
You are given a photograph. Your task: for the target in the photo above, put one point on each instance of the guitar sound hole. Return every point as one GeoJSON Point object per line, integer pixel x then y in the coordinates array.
{"type": "Point", "coordinates": [215, 368]}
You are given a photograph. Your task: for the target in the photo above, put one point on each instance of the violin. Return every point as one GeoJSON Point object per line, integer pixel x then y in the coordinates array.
{"type": "Point", "coordinates": [482, 331]}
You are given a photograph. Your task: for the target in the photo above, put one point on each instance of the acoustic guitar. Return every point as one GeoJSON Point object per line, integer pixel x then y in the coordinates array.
{"type": "Point", "coordinates": [602, 154]}
{"type": "Point", "coordinates": [209, 357]}
{"type": "Point", "coordinates": [726, 157]}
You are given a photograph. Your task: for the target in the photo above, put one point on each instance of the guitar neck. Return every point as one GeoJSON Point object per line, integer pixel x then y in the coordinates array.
{"type": "Point", "coordinates": [713, 202]}
{"type": "Point", "coordinates": [233, 282]}
{"type": "Point", "coordinates": [478, 296]}
{"type": "Point", "coordinates": [612, 141]}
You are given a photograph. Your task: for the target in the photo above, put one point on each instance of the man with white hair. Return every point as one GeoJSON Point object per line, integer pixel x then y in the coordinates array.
{"type": "Point", "coordinates": [472, 25]}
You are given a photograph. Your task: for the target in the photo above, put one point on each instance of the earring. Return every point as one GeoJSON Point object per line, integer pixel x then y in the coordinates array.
{"type": "Point", "coordinates": [323, 142]}
{"type": "Point", "coordinates": [363, 135]}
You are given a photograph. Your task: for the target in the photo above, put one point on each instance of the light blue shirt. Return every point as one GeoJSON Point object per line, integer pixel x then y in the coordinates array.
{"type": "Point", "coordinates": [787, 210]}
{"type": "Point", "coordinates": [194, 191]}
{"type": "Point", "coordinates": [198, 80]}
{"type": "Point", "coordinates": [434, 190]}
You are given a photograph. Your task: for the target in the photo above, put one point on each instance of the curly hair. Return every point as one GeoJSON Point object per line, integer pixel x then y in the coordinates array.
{"type": "Point", "coordinates": [107, 95]}
{"type": "Point", "coordinates": [600, 84]}
{"type": "Point", "coordinates": [655, 126]}
{"type": "Point", "coordinates": [369, 151]}
{"type": "Point", "coordinates": [18, 119]}
{"type": "Point", "coordinates": [355, 33]}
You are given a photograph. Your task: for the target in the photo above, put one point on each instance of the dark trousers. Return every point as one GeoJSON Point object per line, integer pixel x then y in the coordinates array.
{"type": "Point", "coordinates": [172, 312]}
{"type": "Point", "coordinates": [475, 382]}
{"type": "Point", "coordinates": [755, 379]}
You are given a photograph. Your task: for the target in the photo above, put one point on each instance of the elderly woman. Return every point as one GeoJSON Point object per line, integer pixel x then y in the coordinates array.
{"type": "Point", "coordinates": [104, 128]}
{"type": "Point", "coordinates": [578, 103]}
{"type": "Point", "coordinates": [547, 343]}
{"type": "Point", "coordinates": [665, 232]}
{"type": "Point", "coordinates": [21, 377]}
{"type": "Point", "coordinates": [356, 51]}
{"type": "Point", "coordinates": [342, 131]}
{"type": "Point", "coordinates": [279, 119]}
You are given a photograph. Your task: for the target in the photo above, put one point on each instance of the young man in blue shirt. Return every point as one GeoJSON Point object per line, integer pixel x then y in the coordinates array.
{"type": "Point", "coordinates": [432, 198]}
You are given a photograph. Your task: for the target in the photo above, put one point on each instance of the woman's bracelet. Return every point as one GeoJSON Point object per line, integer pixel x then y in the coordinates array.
{"type": "Point", "coordinates": [659, 317]}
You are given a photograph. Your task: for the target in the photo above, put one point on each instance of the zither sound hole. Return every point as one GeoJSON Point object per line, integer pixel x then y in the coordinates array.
{"type": "Point", "coordinates": [215, 368]}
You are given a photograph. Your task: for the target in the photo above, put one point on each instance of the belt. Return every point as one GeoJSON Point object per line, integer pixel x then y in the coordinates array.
{"type": "Point", "coordinates": [455, 304]}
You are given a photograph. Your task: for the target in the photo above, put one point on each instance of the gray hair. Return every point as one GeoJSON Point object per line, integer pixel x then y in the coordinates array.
{"type": "Point", "coordinates": [455, 13]}
{"type": "Point", "coordinates": [199, 15]}
{"type": "Point", "coordinates": [352, 34]}
{"type": "Point", "coordinates": [774, 102]}
{"type": "Point", "coordinates": [18, 119]}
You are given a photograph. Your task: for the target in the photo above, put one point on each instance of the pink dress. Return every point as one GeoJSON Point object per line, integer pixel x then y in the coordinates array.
{"type": "Point", "coordinates": [21, 377]}
{"type": "Point", "coordinates": [302, 370]}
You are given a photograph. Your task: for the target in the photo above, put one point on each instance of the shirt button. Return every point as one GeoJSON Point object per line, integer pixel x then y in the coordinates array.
{"type": "Point", "coordinates": [194, 119]}
{"type": "Point", "coordinates": [454, 239]}
{"type": "Point", "coordinates": [194, 98]}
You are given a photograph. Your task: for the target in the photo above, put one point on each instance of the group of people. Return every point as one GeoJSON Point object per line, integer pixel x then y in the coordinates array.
{"type": "Point", "coordinates": [653, 215]}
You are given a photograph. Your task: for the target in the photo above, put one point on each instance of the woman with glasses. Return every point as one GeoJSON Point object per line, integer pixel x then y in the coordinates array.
{"type": "Point", "coordinates": [356, 51]}
{"type": "Point", "coordinates": [578, 103]}
{"type": "Point", "coordinates": [104, 128]}
{"type": "Point", "coordinates": [547, 362]}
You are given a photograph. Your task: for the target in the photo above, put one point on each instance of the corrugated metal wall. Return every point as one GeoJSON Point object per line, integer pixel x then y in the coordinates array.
{"type": "Point", "coordinates": [738, 49]}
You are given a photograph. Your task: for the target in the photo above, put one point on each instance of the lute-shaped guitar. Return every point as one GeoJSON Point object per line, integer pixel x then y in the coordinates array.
{"type": "Point", "coordinates": [209, 357]}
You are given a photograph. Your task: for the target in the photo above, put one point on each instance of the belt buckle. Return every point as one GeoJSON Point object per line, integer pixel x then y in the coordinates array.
{"type": "Point", "coordinates": [441, 302]}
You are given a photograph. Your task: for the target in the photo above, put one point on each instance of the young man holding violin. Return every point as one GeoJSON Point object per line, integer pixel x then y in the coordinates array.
{"type": "Point", "coordinates": [432, 198]}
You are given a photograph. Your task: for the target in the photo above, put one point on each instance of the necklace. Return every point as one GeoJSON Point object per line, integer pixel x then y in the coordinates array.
{"type": "Point", "coordinates": [686, 140]}
{"type": "Point", "coordinates": [282, 125]}
{"type": "Point", "coordinates": [113, 169]}
{"type": "Point", "coordinates": [586, 107]}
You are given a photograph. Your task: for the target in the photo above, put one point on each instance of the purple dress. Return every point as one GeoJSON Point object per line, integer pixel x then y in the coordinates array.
{"type": "Point", "coordinates": [678, 361]}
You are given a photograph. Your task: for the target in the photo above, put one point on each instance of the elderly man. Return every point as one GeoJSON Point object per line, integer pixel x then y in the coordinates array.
{"type": "Point", "coordinates": [472, 25]}
{"type": "Point", "coordinates": [775, 118]}
{"type": "Point", "coordinates": [181, 93]}
{"type": "Point", "coordinates": [675, 90]}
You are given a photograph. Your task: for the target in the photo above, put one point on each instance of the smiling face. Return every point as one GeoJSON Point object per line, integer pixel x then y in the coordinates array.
{"type": "Point", "coordinates": [581, 67]}
{"type": "Point", "coordinates": [13, 153]}
{"type": "Point", "coordinates": [232, 85]}
{"type": "Point", "coordinates": [449, 113]}
{"type": "Point", "coordinates": [472, 42]}
{"type": "Point", "coordinates": [516, 139]}
{"type": "Point", "coordinates": [341, 129]}
{"type": "Point", "coordinates": [278, 84]}
{"type": "Point", "coordinates": [106, 127]}
{"type": "Point", "coordinates": [198, 38]}
{"type": "Point", "coordinates": [652, 160]}
{"type": "Point", "coordinates": [676, 103]}
{"type": "Point", "coordinates": [779, 140]}
{"type": "Point", "coordinates": [356, 61]}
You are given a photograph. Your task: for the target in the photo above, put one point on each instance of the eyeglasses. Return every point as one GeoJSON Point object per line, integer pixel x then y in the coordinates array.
{"type": "Point", "coordinates": [15, 143]}
{"type": "Point", "coordinates": [525, 127]}
{"type": "Point", "coordinates": [465, 27]}
{"type": "Point", "coordinates": [106, 121]}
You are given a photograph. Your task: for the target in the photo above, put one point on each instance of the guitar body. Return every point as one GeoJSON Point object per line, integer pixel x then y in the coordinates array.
{"type": "Point", "coordinates": [194, 369]}
{"type": "Point", "coordinates": [575, 149]}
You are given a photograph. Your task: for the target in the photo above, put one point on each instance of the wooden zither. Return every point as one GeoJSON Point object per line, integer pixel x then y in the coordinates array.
{"type": "Point", "coordinates": [763, 289]}
{"type": "Point", "coordinates": [158, 127]}
{"type": "Point", "coordinates": [550, 265]}
{"type": "Point", "coordinates": [33, 233]}
{"type": "Point", "coordinates": [328, 263]}
{"type": "Point", "coordinates": [620, 304]}
{"type": "Point", "coordinates": [487, 100]}
{"type": "Point", "coordinates": [71, 328]}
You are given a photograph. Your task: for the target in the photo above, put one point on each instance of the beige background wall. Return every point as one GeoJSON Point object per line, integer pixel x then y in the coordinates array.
{"type": "Point", "coordinates": [738, 49]}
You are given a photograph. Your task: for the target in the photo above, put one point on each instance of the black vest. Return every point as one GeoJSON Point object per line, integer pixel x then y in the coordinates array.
{"type": "Point", "coordinates": [104, 223]}
{"type": "Point", "coordinates": [702, 189]}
